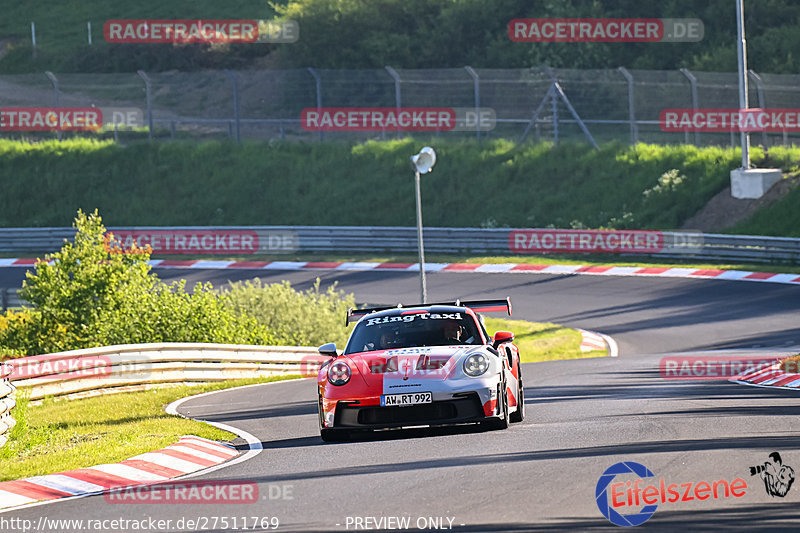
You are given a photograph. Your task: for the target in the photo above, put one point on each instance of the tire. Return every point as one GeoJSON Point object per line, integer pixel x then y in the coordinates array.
{"type": "Point", "coordinates": [334, 435]}
{"type": "Point", "coordinates": [519, 414]}
{"type": "Point", "coordinates": [502, 422]}
{"type": "Point", "coordinates": [330, 434]}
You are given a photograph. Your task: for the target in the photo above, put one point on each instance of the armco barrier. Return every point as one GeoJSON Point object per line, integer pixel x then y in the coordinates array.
{"type": "Point", "coordinates": [9, 298]}
{"type": "Point", "coordinates": [137, 365]}
{"type": "Point", "coordinates": [7, 403]}
{"type": "Point", "coordinates": [243, 240]}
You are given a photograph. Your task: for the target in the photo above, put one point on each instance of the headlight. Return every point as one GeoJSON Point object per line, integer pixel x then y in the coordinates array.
{"type": "Point", "coordinates": [476, 364]}
{"type": "Point", "coordinates": [339, 373]}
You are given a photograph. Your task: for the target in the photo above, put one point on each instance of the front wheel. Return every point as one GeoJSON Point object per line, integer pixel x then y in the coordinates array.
{"type": "Point", "coordinates": [502, 399]}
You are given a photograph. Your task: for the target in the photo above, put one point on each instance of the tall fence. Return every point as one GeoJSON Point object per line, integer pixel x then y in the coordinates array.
{"type": "Point", "coordinates": [602, 105]}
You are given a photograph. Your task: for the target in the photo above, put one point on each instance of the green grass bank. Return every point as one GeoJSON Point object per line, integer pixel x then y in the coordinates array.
{"type": "Point", "coordinates": [492, 184]}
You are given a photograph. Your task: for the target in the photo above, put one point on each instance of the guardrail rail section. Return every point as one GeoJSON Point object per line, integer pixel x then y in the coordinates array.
{"type": "Point", "coordinates": [7, 403]}
{"type": "Point", "coordinates": [244, 240]}
{"type": "Point", "coordinates": [138, 366]}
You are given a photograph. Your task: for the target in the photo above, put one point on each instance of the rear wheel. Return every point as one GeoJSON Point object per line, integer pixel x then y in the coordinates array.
{"type": "Point", "coordinates": [519, 414]}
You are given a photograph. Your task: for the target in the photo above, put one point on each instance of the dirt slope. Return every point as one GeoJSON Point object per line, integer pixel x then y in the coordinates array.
{"type": "Point", "coordinates": [723, 211]}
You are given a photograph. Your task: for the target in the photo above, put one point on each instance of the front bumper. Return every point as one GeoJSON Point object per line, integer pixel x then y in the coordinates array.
{"type": "Point", "coordinates": [462, 408]}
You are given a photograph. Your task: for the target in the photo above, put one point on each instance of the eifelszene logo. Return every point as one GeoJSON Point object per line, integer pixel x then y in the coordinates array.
{"type": "Point", "coordinates": [778, 477]}
{"type": "Point", "coordinates": [629, 495]}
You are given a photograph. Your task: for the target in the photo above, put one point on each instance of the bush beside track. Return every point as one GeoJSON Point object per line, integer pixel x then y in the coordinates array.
{"type": "Point", "coordinates": [494, 183]}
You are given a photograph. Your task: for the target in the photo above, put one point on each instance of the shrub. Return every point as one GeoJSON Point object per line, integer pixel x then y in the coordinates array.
{"type": "Point", "coordinates": [94, 293]}
{"type": "Point", "coordinates": [304, 318]}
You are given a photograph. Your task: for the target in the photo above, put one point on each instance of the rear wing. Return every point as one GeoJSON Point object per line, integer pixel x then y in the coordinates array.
{"type": "Point", "coordinates": [479, 306]}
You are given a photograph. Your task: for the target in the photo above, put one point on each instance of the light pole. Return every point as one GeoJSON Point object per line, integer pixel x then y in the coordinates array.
{"type": "Point", "coordinates": [741, 52]}
{"type": "Point", "coordinates": [423, 163]}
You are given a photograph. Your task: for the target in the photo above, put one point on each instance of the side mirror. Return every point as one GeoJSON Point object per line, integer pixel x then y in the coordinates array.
{"type": "Point", "coordinates": [328, 349]}
{"type": "Point", "coordinates": [502, 336]}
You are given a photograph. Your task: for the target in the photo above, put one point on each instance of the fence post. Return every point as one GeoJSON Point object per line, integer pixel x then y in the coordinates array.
{"type": "Point", "coordinates": [535, 116]}
{"type": "Point", "coordinates": [631, 106]}
{"type": "Point", "coordinates": [397, 97]}
{"type": "Point", "coordinates": [33, 38]}
{"type": "Point", "coordinates": [89, 31]}
{"type": "Point", "coordinates": [318, 82]}
{"type": "Point", "coordinates": [148, 102]}
{"type": "Point", "coordinates": [557, 90]}
{"type": "Point", "coordinates": [235, 82]}
{"type": "Point", "coordinates": [554, 107]}
{"type": "Point", "coordinates": [56, 99]}
{"type": "Point", "coordinates": [693, 83]}
{"type": "Point", "coordinates": [761, 101]}
{"type": "Point", "coordinates": [477, 91]}
{"type": "Point", "coordinates": [396, 77]}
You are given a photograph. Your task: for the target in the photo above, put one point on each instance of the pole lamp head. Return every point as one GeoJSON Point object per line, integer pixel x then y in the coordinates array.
{"type": "Point", "coordinates": [423, 162]}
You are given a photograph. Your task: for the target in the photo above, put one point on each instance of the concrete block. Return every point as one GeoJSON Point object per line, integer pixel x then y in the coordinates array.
{"type": "Point", "coordinates": [754, 182]}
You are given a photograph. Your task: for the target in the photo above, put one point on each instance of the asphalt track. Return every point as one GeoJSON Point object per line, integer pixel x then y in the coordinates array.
{"type": "Point", "coordinates": [583, 416]}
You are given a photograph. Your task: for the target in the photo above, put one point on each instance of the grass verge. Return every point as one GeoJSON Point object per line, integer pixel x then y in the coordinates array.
{"type": "Point", "coordinates": [61, 434]}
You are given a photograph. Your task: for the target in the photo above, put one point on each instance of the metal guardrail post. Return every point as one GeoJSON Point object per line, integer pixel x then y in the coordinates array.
{"type": "Point", "coordinates": [56, 91]}
{"type": "Point", "coordinates": [7, 403]}
{"type": "Point", "coordinates": [761, 100]}
{"type": "Point", "coordinates": [148, 102]}
{"type": "Point", "coordinates": [693, 84]}
{"type": "Point", "coordinates": [235, 82]}
{"type": "Point", "coordinates": [477, 91]}
{"type": "Point", "coordinates": [318, 82]}
{"type": "Point", "coordinates": [631, 106]}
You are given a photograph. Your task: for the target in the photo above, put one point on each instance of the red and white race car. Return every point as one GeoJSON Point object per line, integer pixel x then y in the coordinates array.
{"type": "Point", "coordinates": [427, 365]}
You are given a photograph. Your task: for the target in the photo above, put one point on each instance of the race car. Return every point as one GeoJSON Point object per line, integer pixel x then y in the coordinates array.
{"type": "Point", "coordinates": [425, 365]}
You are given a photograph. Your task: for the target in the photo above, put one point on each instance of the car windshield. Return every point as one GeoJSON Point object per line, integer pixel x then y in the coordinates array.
{"type": "Point", "coordinates": [411, 329]}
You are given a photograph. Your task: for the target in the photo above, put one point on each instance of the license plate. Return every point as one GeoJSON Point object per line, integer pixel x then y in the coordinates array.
{"type": "Point", "coordinates": [413, 398]}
